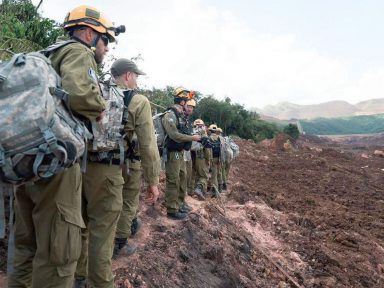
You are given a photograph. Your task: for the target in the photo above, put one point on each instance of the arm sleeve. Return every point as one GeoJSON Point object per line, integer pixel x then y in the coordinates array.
{"type": "Point", "coordinates": [150, 158]}
{"type": "Point", "coordinates": [169, 124]}
{"type": "Point", "coordinates": [78, 79]}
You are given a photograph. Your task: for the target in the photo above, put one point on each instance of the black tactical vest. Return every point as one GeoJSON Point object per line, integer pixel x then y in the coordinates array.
{"type": "Point", "coordinates": [184, 127]}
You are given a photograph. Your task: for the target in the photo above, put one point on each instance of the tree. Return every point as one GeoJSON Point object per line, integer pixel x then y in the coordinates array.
{"type": "Point", "coordinates": [292, 130]}
{"type": "Point", "coordinates": [23, 29]}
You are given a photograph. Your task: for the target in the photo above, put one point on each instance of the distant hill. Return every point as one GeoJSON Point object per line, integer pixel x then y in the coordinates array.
{"type": "Point", "coordinates": [332, 109]}
{"type": "Point", "coordinates": [363, 124]}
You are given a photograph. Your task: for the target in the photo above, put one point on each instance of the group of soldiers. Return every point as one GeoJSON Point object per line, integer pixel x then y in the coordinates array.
{"type": "Point", "coordinates": [69, 227]}
{"type": "Point", "coordinates": [191, 151]}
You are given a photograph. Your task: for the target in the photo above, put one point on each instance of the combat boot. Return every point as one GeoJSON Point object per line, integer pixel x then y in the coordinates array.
{"type": "Point", "coordinates": [185, 208]}
{"type": "Point", "coordinates": [135, 226]}
{"type": "Point", "coordinates": [123, 248]}
{"type": "Point", "coordinates": [220, 188]}
{"type": "Point", "coordinates": [80, 283]}
{"type": "Point", "coordinates": [199, 192]}
{"type": "Point", "coordinates": [224, 186]}
{"type": "Point", "coordinates": [177, 215]}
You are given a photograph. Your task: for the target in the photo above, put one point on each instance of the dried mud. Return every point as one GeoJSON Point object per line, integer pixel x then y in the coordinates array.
{"type": "Point", "coordinates": [308, 216]}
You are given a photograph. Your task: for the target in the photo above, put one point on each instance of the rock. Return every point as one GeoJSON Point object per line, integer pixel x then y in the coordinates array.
{"type": "Point", "coordinates": [379, 153]}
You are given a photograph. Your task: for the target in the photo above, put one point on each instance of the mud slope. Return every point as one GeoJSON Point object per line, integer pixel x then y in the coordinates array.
{"type": "Point", "coordinates": [307, 217]}
{"type": "Point", "coordinates": [312, 217]}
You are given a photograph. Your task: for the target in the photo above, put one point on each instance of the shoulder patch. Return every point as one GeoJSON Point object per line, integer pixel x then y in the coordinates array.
{"type": "Point", "coordinates": [92, 74]}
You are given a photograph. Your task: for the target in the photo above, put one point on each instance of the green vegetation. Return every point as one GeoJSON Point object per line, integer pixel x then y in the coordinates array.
{"type": "Point", "coordinates": [365, 124]}
{"type": "Point", "coordinates": [292, 130]}
{"type": "Point", "coordinates": [23, 29]}
{"type": "Point", "coordinates": [234, 119]}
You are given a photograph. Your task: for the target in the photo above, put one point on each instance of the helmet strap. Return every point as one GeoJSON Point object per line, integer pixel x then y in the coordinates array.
{"type": "Point", "coordinates": [95, 40]}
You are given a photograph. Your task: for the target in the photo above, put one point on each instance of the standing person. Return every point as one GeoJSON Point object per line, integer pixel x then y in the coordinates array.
{"type": "Point", "coordinates": [201, 157]}
{"type": "Point", "coordinates": [48, 213]}
{"type": "Point", "coordinates": [216, 159]}
{"type": "Point", "coordinates": [179, 138]}
{"type": "Point", "coordinates": [142, 154]}
{"type": "Point", "coordinates": [190, 105]}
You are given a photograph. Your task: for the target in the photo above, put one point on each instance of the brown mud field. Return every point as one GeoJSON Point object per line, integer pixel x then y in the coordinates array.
{"type": "Point", "coordinates": [305, 215]}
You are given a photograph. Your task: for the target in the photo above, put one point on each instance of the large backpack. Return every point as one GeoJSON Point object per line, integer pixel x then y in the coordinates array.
{"type": "Point", "coordinates": [160, 133]}
{"type": "Point", "coordinates": [235, 148]}
{"type": "Point", "coordinates": [39, 136]}
{"type": "Point", "coordinates": [227, 150]}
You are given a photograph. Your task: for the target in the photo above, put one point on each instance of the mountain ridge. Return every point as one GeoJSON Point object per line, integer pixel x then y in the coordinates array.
{"type": "Point", "coordinates": [329, 109]}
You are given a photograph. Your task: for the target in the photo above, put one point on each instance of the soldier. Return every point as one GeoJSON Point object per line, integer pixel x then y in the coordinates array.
{"type": "Point", "coordinates": [48, 213]}
{"type": "Point", "coordinates": [191, 104]}
{"type": "Point", "coordinates": [142, 153]}
{"type": "Point", "coordinates": [179, 139]}
{"type": "Point", "coordinates": [201, 157]}
{"type": "Point", "coordinates": [216, 159]}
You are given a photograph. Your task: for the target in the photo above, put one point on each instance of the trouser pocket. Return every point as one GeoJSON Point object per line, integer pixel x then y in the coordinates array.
{"type": "Point", "coordinates": [65, 240]}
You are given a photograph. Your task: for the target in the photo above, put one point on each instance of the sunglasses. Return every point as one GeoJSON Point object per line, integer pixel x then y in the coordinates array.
{"type": "Point", "coordinates": [105, 39]}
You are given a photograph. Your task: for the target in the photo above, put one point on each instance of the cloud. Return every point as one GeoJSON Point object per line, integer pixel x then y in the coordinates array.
{"type": "Point", "coordinates": [207, 48]}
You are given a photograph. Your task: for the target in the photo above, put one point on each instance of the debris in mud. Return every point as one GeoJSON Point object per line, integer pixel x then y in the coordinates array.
{"type": "Point", "coordinates": [310, 217]}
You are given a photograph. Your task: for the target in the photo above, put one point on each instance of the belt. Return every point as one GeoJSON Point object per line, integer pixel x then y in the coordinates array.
{"type": "Point", "coordinates": [108, 162]}
{"type": "Point", "coordinates": [109, 157]}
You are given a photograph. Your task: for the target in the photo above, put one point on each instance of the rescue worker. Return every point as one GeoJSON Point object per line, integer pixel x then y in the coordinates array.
{"type": "Point", "coordinates": [179, 139]}
{"type": "Point", "coordinates": [201, 157]}
{"type": "Point", "coordinates": [142, 154]}
{"type": "Point", "coordinates": [216, 159]}
{"type": "Point", "coordinates": [48, 213]}
{"type": "Point", "coordinates": [190, 105]}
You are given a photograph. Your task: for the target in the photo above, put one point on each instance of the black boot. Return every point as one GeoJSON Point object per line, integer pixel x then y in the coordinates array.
{"type": "Point", "coordinates": [135, 226]}
{"type": "Point", "coordinates": [80, 283]}
{"type": "Point", "coordinates": [185, 208]}
{"type": "Point", "coordinates": [220, 188]}
{"type": "Point", "coordinates": [199, 192]}
{"type": "Point", "coordinates": [224, 186]}
{"type": "Point", "coordinates": [177, 215]}
{"type": "Point", "coordinates": [123, 248]}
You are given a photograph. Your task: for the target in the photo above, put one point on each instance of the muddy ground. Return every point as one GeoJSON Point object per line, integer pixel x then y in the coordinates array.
{"type": "Point", "coordinates": [306, 217]}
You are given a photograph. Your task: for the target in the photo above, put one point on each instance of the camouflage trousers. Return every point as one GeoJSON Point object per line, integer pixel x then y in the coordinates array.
{"type": "Point", "coordinates": [131, 195]}
{"type": "Point", "coordinates": [102, 203]}
{"type": "Point", "coordinates": [48, 231]}
{"type": "Point", "coordinates": [176, 181]}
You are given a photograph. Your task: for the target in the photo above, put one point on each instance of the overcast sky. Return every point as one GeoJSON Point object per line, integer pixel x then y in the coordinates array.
{"type": "Point", "coordinates": [256, 52]}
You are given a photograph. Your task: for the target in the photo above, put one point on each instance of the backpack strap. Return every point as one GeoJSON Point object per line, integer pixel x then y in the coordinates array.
{"type": "Point", "coordinates": [128, 95]}
{"type": "Point", "coordinates": [54, 47]}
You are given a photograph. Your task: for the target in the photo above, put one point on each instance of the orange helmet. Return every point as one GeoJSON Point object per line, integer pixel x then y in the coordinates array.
{"type": "Point", "coordinates": [88, 16]}
{"type": "Point", "coordinates": [182, 92]}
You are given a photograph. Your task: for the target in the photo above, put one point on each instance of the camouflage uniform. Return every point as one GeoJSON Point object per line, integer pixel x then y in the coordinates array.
{"type": "Point", "coordinates": [145, 155]}
{"type": "Point", "coordinates": [48, 213]}
{"type": "Point", "coordinates": [179, 140]}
